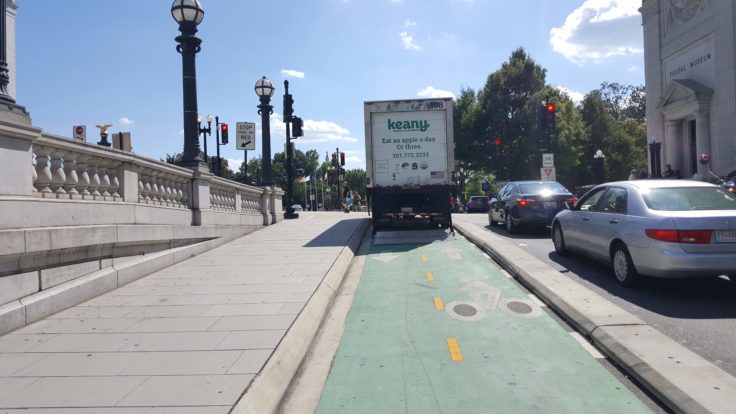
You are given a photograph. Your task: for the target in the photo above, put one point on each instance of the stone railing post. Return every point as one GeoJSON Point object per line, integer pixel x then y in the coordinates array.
{"type": "Point", "coordinates": [200, 199]}
{"type": "Point", "coordinates": [266, 202]}
{"type": "Point", "coordinates": [16, 158]}
{"type": "Point", "coordinates": [128, 177]}
{"type": "Point", "coordinates": [276, 211]}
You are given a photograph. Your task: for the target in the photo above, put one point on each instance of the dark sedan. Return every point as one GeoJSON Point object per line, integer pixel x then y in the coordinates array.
{"type": "Point", "coordinates": [477, 204]}
{"type": "Point", "coordinates": [532, 203]}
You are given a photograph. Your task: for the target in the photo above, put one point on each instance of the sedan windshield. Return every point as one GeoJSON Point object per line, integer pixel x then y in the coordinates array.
{"type": "Point", "coordinates": [539, 188]}
{"type": "Point", "coordinates": [689, 198]}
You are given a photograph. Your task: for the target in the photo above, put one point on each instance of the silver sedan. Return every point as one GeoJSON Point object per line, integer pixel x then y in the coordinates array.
{"type": "Point", "coordinates": [663, 228]}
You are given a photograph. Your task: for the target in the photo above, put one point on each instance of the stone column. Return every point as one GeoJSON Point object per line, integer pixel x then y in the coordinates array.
{"type": "Point", "coordinates": [673, 144]}
{"type": "Point", "coordinates": [702, 140]}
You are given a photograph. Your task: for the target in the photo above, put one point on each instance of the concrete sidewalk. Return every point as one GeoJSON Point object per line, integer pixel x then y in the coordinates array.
{"type": "Point", "coordinates": [189, 338]}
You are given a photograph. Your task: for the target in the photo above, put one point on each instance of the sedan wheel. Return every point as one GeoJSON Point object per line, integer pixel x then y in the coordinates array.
{"type": "Point", "coordinates": [559, 240]}
{"type": "Point", "coordinates": [510, 227]}
{"type": "Point", "coordinates": [623, 267]}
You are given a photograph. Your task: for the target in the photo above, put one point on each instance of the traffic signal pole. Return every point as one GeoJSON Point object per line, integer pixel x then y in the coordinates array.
{"type": "Point", "coordinates": [288, 113]}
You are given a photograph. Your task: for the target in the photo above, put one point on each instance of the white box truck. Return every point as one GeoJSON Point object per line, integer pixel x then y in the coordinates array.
{"type": "Point", "coordinates": [410, 160]}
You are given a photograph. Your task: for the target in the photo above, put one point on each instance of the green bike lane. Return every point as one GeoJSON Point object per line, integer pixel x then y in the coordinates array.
{"type": "Point", "coordinates": [439, 328]}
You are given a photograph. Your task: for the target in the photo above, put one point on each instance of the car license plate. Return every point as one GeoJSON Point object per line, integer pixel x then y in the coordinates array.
{"type": "Point", "coordinates": [550, 205]}
{"type": "Point", "coordinates": [726, 236]}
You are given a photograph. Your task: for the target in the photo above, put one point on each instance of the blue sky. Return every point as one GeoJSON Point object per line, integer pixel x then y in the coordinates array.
{"type": "Point", "coordinates": [104, 61]}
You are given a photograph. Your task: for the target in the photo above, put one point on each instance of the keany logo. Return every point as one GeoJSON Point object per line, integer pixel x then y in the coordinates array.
{"type": "Point", "coordinates": [408, 125]}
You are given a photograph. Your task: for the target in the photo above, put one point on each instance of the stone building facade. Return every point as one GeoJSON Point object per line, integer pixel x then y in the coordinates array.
{"type": "Point", "coordinates": [690, 66]}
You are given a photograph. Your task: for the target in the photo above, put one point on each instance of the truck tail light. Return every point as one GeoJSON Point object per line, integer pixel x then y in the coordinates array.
{"type": "Point", "coordinates": [680, 236]}
{"type": "Point", "coordinates": [451, 201]}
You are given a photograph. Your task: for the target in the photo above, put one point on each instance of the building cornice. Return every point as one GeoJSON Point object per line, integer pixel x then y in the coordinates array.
{"type": "Point", "coordinates": [649, 9]}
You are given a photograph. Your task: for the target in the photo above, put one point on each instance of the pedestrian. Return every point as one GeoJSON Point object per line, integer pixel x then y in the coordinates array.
{"type": "Point", "coordinates": [356, 201]}
{"type": "Point", "coordinates": [668, 173]}
{"type": "Point", "coordinates": [634, 175]}
{"type": "Point", "coordinates": [347, 199]}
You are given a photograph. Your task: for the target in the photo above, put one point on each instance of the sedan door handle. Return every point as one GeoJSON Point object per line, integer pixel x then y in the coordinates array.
{"type": "Point", "coordinates": [614, 221]}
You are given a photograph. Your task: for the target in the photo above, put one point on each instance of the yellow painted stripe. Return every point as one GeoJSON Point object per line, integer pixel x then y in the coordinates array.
{"type": "Point", "coordinates": [455, 354]}
{"type": "Point", "coordinates": [430, 276]}
{"type": "Point", "coordinates": [438, 303]}
{"type": "Point", "coordinates": [423, 258]}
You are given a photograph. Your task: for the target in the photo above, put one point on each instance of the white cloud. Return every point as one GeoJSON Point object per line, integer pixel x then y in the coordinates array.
{"type": "Point", "coordinates": [576, 96]}
{"type": "Point", "coordinates": [409, 23]}
{"type": "Point", "coordinates": [397, 1]}
{"type": "Point", "coordinates": [409, 43]}
{"type": "Point", "coordinates": [125, 121]}
{"type": "Point", "coordinates": [325, 131]}
{"type": "Point", "coordinates": [234, 163]}
{"type": "Point", "coordinates": [432, 92]}
{"type": "Point", "coordinates": [289, 73]}
{"type": "Point", "coordinates": [599, 29]}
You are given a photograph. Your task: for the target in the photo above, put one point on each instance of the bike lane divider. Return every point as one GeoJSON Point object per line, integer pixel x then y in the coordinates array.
{"type": "Point", "coordinates": [466, 339]}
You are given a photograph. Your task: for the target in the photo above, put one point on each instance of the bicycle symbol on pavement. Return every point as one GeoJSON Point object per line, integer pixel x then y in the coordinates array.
{"type": "Point", "coordinates": [487, 298]}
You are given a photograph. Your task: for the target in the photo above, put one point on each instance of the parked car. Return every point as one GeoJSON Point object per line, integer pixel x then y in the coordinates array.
{"type": "Point", "coordinates": [297, 208]}
{"type": "Point", "coordinates": [532, 203]}
{"type": "Point", "coordinates": [477, 204]}
{"type": "Point", "coordinates": [663, 228]}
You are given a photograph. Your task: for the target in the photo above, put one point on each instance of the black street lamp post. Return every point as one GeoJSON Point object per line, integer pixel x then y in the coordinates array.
{"type": "Point", "coordinates": [189, 13]}
{"type": "Point", "coordinates": [264, 90]}
{"type": "Point", "coordinates": [4, 73]}
{"type": "Point", "coordinates": [205, 131]}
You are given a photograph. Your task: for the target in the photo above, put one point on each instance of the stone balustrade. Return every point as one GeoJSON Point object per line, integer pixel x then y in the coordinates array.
{"type": "Point", "coordinates": [79, 183]}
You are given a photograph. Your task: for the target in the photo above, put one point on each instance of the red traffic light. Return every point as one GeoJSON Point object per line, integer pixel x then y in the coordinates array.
{"type": "Point", "coordinates": [342, 158]}
{"type": "Point", "coordinates": [550, 107]}
{"type": "Point", "coordinates": [223, 127]}
{"type": "Point", "coordinates": [497, 142]}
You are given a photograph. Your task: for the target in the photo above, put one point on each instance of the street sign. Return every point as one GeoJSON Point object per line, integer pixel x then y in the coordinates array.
{"type": "Point", "coordinates": [245, 136]}
{"type": "Point", "coordinates": [548, 160]}
{"type": "Point", "coordinates": [79, 132]}
{"type": "Point", "coordinates": [486, 186]}
{"type": "Point", "coordinates": [548, 174]}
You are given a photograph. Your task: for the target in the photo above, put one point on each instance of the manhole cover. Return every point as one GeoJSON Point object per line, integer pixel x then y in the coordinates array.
{"type": "Point", "coordinates": [465, 310]}
{"type": "Point", "coordinates": [520, 307]}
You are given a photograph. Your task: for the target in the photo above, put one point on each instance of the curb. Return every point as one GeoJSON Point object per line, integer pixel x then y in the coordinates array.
{"type": "Point", "coordinates": [267, 389]}
{"type": "Point", "coordinates": [681, 379]}
{"type": "Point", "coordinates": [32, 308]}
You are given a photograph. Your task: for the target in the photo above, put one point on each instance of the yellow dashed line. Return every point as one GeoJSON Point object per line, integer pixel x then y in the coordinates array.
{"type": "Point", "coordinates": [430, 276]}
{"type": "Point", "coordinates": [438, 303]}
{"type": "Point", "coordinates": [455, 354]}
{"type": "Point", "coordinates": [423, 258]}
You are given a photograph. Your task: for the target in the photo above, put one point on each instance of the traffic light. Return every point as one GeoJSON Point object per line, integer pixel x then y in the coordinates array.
{"type": "Point", "coordinates": [342, 171]}
{"type": "Point", "coordinates": [342, 158]}
{"type": "Point", "coordinates": [334, 158]}
{"type": "Point", "coordinates": [223, 133]}
{"type": "Point", "coordinates": [497, 143]}
{"type": "Point", "coordinates": [288, 107]}
{"type": "Point", "coordinates": [550, 118]}
{"type": "Point", "coordinates": [297, 124]}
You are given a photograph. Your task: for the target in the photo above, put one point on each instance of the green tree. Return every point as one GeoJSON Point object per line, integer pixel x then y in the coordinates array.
{"type": "Point", "coordinates": [356, 180]}
{"type": "Point", "coordinates": [508, 104]}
